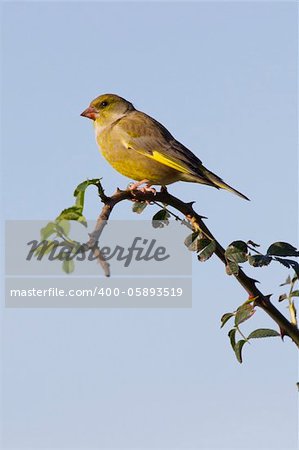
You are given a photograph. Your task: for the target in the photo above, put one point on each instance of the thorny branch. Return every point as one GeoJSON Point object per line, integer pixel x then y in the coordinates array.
{"type": "Point", "coordinates": [260, 300]}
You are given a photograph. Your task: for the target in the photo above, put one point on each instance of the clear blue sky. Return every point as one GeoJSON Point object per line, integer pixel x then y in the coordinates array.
{"type": "Point", "coordinates": [222, 77]}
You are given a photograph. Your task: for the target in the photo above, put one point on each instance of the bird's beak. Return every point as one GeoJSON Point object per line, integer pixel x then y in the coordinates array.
{"type": "Point", "coordinates": [89, 112]}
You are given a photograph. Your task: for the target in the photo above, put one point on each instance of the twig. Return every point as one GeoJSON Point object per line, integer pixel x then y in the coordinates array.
{"type": "Point", "coordinates": [262, 301]}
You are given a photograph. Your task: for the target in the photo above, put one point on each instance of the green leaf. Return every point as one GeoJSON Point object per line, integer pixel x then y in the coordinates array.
{"type": "Point", "coordinates": [253, 244]}
{"type": "Point", "coordinates": [80, 200]}
{"type": "Point", "coordinates": [72, 213]}
{"type": "Point", "coordinates": [191, 241]}
{"type": "Point", "coordinates": [250, 300]}
{"type": "Point", "coordinates": [282, 249]}
{"type": "Point", "coordinates": [295, 293]}
{"type": "Point", "coordinates": [208, 251]}
{"type": "Point", "coordinates": [48, 230]}
{"type": "Point", "coordinates": [65, 252]}
{"type": "Point", "coordinates": [68, 266]}
{"type": "Point", "coordinates": [259, 260]}
{"type": "Point", "coordinates": [79, 192]}
{"type": "Point", "coordinates": [282, 297]}
{"type": "Point", "coordinates": [203, 243]}
{"type": "Point", "coordinates": [225, 318]}
{"type": "Point", "coordinates": [45, 248]}
{"type": "Point", "coordinates": [243, 313]}
{"type": "Point", "coordinates": [289, 263]}
{"type": "Point", "coordinates": [238, 350]}
{"type": "Point", "coordinates": [237, 252]}
{"type": "Point", "coordinates": [232, 337]}
{"type": "Point", "coordinates": [82, 186]}
{"type": "Point", "coordinates": [139, 207]}
{"type": "Point", "coordinates": [161, 219]}
{"type": "Point", "coordinates": [64, 227]}
{"type": "Point", "coordinates": [231, 268]}
{"type": "Point", "coordinates": [287, 281]}
{"type": "Point", "coordinates": [82, 220]}
{"type": "Point", "coordinates": [263, 333]}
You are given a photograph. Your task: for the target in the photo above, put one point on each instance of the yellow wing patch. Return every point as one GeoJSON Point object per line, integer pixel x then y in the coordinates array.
{"type": "Point", "coordinates": [161, 158]}
{"type": "Point", "coordinates": [169, 162]}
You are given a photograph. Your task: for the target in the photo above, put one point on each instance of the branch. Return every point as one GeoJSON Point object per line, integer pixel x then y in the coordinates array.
{"type": "Point", "coordinates": [260, 300]}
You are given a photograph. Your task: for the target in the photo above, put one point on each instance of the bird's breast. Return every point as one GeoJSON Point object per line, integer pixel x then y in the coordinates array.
{"type": "Point", "coordinates": [129, 162]}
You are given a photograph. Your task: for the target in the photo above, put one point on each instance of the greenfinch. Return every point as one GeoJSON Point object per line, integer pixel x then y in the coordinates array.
{"type": "Point", "coordinates": [142, 149]}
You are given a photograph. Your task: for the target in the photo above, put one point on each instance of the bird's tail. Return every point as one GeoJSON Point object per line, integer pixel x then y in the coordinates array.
{"type": "Point", "coordinates": [219, 183]}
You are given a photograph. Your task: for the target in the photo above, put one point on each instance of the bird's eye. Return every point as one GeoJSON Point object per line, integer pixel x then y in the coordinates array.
{"type": "Point", "coordinates": [103, 104]}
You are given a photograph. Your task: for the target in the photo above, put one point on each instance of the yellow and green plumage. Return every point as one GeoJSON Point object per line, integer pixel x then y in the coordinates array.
{"type": "Point", "coordinates": [141, 148]}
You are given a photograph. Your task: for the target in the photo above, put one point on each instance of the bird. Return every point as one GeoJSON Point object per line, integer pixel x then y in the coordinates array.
{"type": "Point", "coordinates": [142, 149]}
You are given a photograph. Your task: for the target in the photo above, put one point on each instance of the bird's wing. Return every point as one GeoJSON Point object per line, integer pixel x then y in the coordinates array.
{"type": "Point", "coordinates": [148, 137]}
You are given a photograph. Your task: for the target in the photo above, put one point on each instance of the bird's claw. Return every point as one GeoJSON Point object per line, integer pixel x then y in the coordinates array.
{"type": "Point", "coordinates": [147, 188]}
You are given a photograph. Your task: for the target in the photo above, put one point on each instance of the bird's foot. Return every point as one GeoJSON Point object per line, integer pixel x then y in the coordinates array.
{"type": "Point", "coordinates": [147, 188]}
{"type": "Point", "coordinates": [135, 185]}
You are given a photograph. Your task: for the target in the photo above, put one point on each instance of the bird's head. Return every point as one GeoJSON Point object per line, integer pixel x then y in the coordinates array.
{"type": "Point", "coordinates": [107, 108]}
